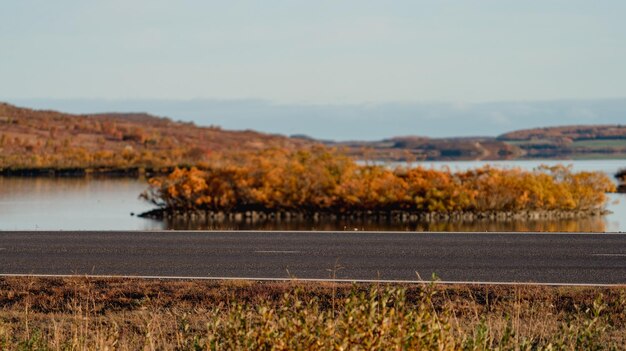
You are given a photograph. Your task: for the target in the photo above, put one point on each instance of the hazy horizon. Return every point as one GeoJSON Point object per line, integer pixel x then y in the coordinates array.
{"type": "Point", "coordinates": [358, 121]}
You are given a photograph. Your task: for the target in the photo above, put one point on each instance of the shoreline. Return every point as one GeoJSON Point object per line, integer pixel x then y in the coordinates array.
{"type": "Point", "coordinates": [84, 172]}
{"type": "Point", "coordinates": [381, 216]}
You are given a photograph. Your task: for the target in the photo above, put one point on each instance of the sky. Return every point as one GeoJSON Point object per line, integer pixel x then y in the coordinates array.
{"type": "Point", "coordinates": [392, 67]}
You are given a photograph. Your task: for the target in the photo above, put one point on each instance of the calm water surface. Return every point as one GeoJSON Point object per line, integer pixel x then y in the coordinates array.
{"type": "Point", "coordinates": [107, 204]}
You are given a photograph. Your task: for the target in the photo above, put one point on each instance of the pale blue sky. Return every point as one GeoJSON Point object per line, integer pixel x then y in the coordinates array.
{"type": "Point", "coordinates": [302, 53]}
{"type": "Point", "coordinates": [314, 51]}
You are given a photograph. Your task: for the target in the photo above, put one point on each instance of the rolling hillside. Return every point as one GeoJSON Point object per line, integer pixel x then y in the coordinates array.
{"type": "Point", "coordinates": [590, 141]}
{"type": "Point", "coordinates": [569, 140]}
{"type": "Point", "coordinates": [32, 140]}
{"type": "Point", "coordinates": [43, 142]}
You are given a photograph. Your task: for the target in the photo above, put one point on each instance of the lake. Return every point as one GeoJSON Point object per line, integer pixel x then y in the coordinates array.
{"type": "Point", "coordinates": [107, 204]}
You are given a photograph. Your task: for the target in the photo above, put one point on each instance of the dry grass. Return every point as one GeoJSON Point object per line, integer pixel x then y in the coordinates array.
{"type": "Point", "coordinates": [120, 314]}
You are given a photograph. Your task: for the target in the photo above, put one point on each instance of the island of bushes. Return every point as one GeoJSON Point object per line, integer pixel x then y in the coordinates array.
{"type": "Point", "coordinates": [319, 182]}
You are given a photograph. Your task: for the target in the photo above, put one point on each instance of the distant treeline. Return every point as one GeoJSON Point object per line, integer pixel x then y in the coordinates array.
{"type": "Point", "coordinates": [323, 181]}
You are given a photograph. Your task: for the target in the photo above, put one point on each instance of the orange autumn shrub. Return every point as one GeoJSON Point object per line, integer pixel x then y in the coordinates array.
{"type": "Point", "coordinates": [322, 180]}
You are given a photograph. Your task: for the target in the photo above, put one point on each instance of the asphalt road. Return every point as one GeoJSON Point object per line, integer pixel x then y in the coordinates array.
{"type": "Point", "coordinates": [480, 257]}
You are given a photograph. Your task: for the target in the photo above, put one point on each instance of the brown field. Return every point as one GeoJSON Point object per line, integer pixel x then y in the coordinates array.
{"type": "Point", "coordinates": [120, 314]}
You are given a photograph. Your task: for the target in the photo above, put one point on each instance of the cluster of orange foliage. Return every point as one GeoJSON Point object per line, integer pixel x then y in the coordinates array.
{"type": "Point", "coordinates": [322, 180]}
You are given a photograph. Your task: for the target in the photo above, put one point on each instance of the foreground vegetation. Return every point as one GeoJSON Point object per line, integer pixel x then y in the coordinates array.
{"type": "Point", "coordinates": [320, 181]}
{"type": "Point", "coordinates": [99, 314]}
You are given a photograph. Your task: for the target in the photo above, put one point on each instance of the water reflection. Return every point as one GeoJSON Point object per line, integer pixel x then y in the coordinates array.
{"type": "Point", "coordinates": [107, 204]}
{"type": "Point", "coordinates": [72, 204]}
{"type": "Point", "coordinates": [594, 224]}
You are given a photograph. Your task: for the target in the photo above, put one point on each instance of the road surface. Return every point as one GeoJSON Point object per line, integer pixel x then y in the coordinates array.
{"type": "Point", "coordinates": [462, 257]}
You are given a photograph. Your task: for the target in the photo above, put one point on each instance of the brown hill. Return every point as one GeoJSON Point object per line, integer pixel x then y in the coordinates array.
{"type": "Point", "coordinates": [415, 148]}
{"type": "Point", "coordinates": [577, 132]}
{"type": "Point", "coordinates": [552, 142]}
{"type": "Point", "coordinates": [566, 141]}
{"type": "Point", "coordinates": [33, 139]}
{"type": "Point", "coordinates": [33, 142]}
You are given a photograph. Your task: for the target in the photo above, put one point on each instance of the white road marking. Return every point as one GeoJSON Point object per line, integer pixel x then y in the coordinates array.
{"type": "Point", "coordinates": [276, 251]}
{"type": "Point", "coordinates": [610, 255]}
{"type": "Point", "coordinates": [387, 281]}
